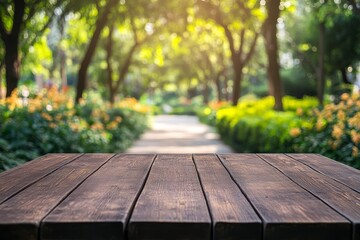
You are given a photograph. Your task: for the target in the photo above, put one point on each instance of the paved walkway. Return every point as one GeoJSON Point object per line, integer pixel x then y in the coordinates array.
{"type": "Point", "coordinates": [179, 134]}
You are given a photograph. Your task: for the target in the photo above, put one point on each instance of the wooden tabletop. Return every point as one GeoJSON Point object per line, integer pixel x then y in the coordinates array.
{"type": "Point", "coordinates": [180, 196]}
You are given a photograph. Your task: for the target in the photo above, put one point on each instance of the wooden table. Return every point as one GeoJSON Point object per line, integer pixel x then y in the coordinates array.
{"type": "Point", "coordinates": [201, 196]}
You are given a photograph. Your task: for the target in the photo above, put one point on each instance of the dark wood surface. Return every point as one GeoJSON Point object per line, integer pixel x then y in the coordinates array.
{"type": "Point", "coordinates": [17, 179]}
{"type": "Point", "coordinates": [180, 196]}
{"type": "Point", "coordinates": [288, 211]}
{"type": "Point", "coordinates": [107, 196]}
{"type": "Point", "coordinates": [232, 214]}
{"type": "Point", "coordinates": [336, 195]}
{"type": "Point", "coordinates": [338, 171]}
{"type": "Point", "coordinates": [172, 203]}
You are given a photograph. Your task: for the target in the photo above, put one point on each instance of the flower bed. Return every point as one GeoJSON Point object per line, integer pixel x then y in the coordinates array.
{"type": "Point", "coordinates": [49, 123]}
{"type": "Point", "coordinates": [252, 126]}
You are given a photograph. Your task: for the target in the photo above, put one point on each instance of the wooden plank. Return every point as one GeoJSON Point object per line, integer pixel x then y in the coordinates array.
{"type": "Point", "coordinates": [232, 214]}
{"type": "Point", "coordinates": [100, 207]}
{"type": "Point", "coordinates": [18, 178]}
{"type": "Point", "coordinates": [336, 170]}
{"type": "Point", "coordinates": [287, 210]}
{"type": "Point", "coordinates": [172, 204]}
{"type": "Point", "coordinates": [339, 197]}
{"type": "Point", "coordinates": [20, 216]}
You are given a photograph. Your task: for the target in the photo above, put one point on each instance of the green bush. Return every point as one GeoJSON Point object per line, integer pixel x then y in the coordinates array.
{"type": "Point", "coordinates": [50, 124]}
{"type": "Point", "coordinates": [252, 126]}
{"type": "Point", "coordinates": [334, 131]}
{"type": "Point", "coordinates": [207, 114]}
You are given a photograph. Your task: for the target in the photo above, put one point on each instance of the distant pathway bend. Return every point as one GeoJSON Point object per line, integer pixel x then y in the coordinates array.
{"type": "Point", "coordinates": [179, 134]}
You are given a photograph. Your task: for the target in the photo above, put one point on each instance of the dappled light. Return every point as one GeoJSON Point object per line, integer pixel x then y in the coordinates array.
{"type": "Point", "coordinates": [263, 76]}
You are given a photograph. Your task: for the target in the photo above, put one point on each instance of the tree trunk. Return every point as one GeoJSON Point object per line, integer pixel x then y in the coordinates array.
{"type": "Point", "coordinates": [206, 91]}
{"type": "Point", "coordinates": [125, 68]}
{"type": "Point", "coordinates": [12, 66]}
{"type": "Point", "coordinates": [271, 45]}
{"type": "Point", "coordinates": [344, 76]}
{"type": "Point", "coordinates": [100, 24]}
{"type": "Point", "coordinates": [109, 49]}
{"type": "Point", "coordinates": [1, 78]}
{"type": "Point", "coordinates": [11, 43]}
{"type": "Point", "coordinates": [238, 75]}
{"type": "Point", "coordinates": [218, 86]}
{"type": "Point", "coordinates": [226, 86]}
{"type": "Point", "coordinates": [321, 60]}
{"type": "Point", "coordinates": [64, 82]}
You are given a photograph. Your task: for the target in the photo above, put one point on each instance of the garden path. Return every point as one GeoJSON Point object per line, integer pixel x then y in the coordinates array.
{"type": "Point", "coordinates": [179, 134]}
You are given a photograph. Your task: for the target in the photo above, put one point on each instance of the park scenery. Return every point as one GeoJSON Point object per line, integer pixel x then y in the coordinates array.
{"type": "Point", "coordinates": [279, 76]}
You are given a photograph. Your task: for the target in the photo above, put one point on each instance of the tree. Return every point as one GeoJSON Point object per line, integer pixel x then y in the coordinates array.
{"type": "Point", "coordinates": [209, 55]}
{"type": "Point", "coordinates": [99, 26]}
{"type": "Point", "coordinates": [326, 41]}
{"type": "Point", "coordinates": [20, 26]}
{"type": "Point", "coordinates": [240, 56]}
{"type": "Point", "coordinates": [140, 29]}
{"type": "Point", "coordinates": [272, 49]}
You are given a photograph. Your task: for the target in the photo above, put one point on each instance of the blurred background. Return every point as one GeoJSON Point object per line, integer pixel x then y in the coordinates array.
{"type": "Point", "coordinates": [268, 76]}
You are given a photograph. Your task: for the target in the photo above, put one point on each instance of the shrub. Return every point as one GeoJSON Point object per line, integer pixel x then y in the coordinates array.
{"type": "Point", "coordinates": [252, 126]}
{"type": "Point", "coordinates": [49, 123]}
{"type": "Point", "coordinates": [334, 131]}
{"type": "Point", "coordinates": [207, 114]}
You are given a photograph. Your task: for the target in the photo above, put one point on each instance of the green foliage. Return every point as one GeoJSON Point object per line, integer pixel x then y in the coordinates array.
{"type": "Point", "coordinates": [334, 132]}
{"type": "Point", "coordinates": [207, 114]}
{"type": "Point", "coordinates": [298, 83]}
{"type": "Point", "coordinates": [252, 126]}
{"type": "Point", "coordinates": [34, 127]}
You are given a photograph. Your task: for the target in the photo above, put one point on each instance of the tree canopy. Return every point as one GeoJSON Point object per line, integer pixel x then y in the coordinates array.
{"type": "Point", "coordinates": [214, 49]}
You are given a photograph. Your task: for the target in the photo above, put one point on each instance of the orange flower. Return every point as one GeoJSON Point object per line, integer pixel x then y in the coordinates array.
{"type": "Point", "coordinates": [341, 115]}
{"type": "Point", "coordinates": [345, 96]}
{"type": "Point", "coordinates": [337, 131]}
{"type": "Point", "coordinates": [46, 116]}
{"type": "Point", "coordinates": [355, 137]}
{"type": "Point", "coordinates": [355, 151]}
{"type": "Point", "coordinates": [295, 132]}
{"type": "Point", "coordinates": [355, 121]}
{"type": "Point", "coordinates": [320, 124]}
{"type": "Point", "coordinates": [299, 111]}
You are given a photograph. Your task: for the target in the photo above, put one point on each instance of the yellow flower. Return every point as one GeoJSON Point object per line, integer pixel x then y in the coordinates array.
{"type": "Point", "coordinates": [355, 151]}
{"type": "Point", "coordinates": [31, 108]}
{"type": "Point", "coordinates": [118, 119]}
{"type": "Point", "coordinates": [299, 111]}
{"type": "Point", "coordinates": [355, 121]}
{"type": "Point", "coordinates": [345, 96]}
{"type": "Point", "coordinates": [355, 137]}
{"type": "Point", "coordinates": [97, 126]}
{"type": "Point", "coordinates": [295, 132]}
{"type": "Point", "coordinates": [320, 124]}
{"type": "Point", "coordinates": [350, 102]}
{"type": "Point", "coordinates": [341, 115]}
{"type": "Point", "coordinates": [46, 116]}
{"type": "Point", "coordinates": [112, 125]}
{"type": "Point", "coordinates": [337, 131]}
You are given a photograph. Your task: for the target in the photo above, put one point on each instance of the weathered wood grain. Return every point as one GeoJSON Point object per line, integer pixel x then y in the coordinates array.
{"type": "Point", "coordinates": [338, 196]}
{"type": "Point", "coordinates": [172, 204]}
{"type": "Point", "coordinates": [17, 179]}
{"type": "Point", "coordinates": [232, 214]}
{"type": "Point", "coordinates": [288, 211]}
{"type": "Point", "coordinates": [100, 207]}
{"type": "Point", "coordinates": [336, 170]}
{"type": "Point", "coordinates": [20, 216]}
